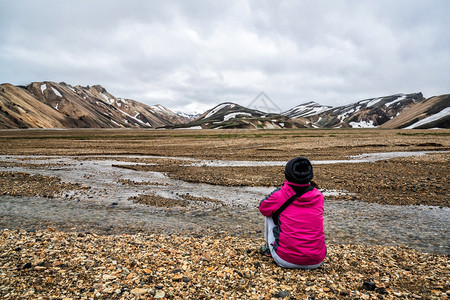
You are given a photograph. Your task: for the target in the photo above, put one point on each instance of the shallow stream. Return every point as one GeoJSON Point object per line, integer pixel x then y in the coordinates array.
{"type": "Point", "coordinates": [105, 208]}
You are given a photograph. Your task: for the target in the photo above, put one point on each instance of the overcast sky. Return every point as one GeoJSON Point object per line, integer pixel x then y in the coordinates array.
{"type": "Point", "coordinates": [191, 55]}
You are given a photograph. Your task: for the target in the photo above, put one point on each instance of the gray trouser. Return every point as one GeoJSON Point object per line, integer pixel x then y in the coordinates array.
{"type": "Point", "coordinates": [270, 239]}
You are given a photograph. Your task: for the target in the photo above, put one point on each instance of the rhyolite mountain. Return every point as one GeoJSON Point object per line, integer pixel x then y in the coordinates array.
{"type": "Point", "coordinates": [395, 111]}
{"type": "Point", "coordinates": [431, 113]}
{"type": "Point", "coordinates": [368, 113]}
{"type": "Point", "coordinates": [232, 115]}
{"type": "Point", "coordinates": [60, 105]}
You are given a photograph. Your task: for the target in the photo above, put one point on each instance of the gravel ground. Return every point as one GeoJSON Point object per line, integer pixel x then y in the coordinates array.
{"type": "Point", "coordinates": [24, 184]}
{"type": "Point", "coordinates": [55, 265]}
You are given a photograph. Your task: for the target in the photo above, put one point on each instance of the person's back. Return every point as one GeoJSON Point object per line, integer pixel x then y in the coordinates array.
{"type": "Point", "coordinates": [296, 238]}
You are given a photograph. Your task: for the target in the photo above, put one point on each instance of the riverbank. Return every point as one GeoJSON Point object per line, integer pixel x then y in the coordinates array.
{"type": "Point", "coordinates": [52, 264]}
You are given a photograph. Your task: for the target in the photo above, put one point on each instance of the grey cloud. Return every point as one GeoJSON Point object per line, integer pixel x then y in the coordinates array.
{"type": "Point", "coordinates": [204, 52]}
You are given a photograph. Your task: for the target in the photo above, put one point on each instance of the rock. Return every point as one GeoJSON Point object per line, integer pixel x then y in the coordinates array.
{"type": "Point", "coordinates": [159, 294]}
{"type": "Point", "coordinates": [369, 286]}
{"type": "Point", "coordinates": [381, 291]}
{"type": "Point", "coordinates": [28, 265]}
{"type": "Point", "coordinates": [177, 277]}
{"type": "Point", "coordinates": [282, 294]}
{"type": "Point", "coordinates": [139, 291]}
{"type": "Point", "coordinates": [436, 292]}
{"type": "Point", "coordinates": [108, 277]}
{"type": "Point", "coordinates": [285, 287]}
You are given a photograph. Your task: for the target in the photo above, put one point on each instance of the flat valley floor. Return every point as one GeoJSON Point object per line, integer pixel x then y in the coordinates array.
{"type": "Point", "coordinates": [139, 214]}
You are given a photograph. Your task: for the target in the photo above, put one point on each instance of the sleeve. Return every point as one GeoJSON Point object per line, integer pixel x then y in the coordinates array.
{"type": "Point", "coordinates": [271, 203]}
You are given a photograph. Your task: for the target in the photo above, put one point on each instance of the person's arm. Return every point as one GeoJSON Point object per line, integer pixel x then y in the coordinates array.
{"type": "Point", "coordinates": [271, 203]}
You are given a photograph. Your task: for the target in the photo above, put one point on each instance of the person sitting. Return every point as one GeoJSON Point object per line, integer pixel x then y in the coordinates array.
{"type": "Point", "coordinates": [294, 219]}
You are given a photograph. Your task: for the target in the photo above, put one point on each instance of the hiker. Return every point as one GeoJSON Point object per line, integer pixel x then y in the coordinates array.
{"type": "Point", "coordinates": [294, 219]}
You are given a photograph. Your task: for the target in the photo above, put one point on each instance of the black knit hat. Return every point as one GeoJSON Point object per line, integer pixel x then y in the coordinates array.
{"type": "Point", "coordinates": [299, 170]}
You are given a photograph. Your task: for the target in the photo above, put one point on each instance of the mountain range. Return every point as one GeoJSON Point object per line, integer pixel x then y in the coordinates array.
{"type": "Point", "coordinates": [60, 105]}
{"type": "Point", "coordinates": [395, 111]}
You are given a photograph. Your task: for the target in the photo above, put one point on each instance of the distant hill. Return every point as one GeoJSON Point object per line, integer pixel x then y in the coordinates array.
{"type": "Point", "coordinates": [232, 115]}
{"type": "Point", "coordinates": [432, 113]}
{"type": "Point", "coordinates": [60, 105]}
{"type": "Point", "coordinates": [368, 113]}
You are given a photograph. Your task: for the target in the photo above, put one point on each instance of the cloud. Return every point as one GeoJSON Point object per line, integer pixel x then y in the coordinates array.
{"type": "Point", "coordinates": [193, 55]}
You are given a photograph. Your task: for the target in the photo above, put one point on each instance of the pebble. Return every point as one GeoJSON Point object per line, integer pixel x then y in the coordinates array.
{"type": "Point", "coordinates": [282, 294]}
{"type": "Point", "coordinates": [139, 291]}
{"type": "Point", "coordinates": [159, 294]}
{"type": "Point", "coordinates": [369, 286]}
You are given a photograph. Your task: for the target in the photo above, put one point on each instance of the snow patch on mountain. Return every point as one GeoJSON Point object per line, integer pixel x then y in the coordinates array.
{"type": "Point", "coordinates": [56, 92]}
{"type": "Point", "coordinates": [373, 102]}
{"type": "Point", "coordinates": [162, 109]}
{"type": "Point", "coordinates": [193, 127]}
{"type": "Point", "coordinates": [188, 116]}
{"type": "Point", "coordinates": [233, 115]}
{"type": "Point", "coordinates": [432, 118]}
{"type": "Point", "coordinates": [401, 98]}
{"type": "Point", "coordinates": [306, 110]}
{"type": "Point", "coordinates": [362, 124]}
{"type": "Point", "coordinates": [107, 98]}
{"type": "Point", "coordinates": [134, 118]}
{"type": "Point", "coordinates": [346, 112]}
{"type": "Point", "coordinates": [217, 109]}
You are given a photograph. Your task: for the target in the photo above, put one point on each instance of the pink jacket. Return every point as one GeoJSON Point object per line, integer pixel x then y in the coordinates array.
{"type": "Point", "coordinates": [301, 240]}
